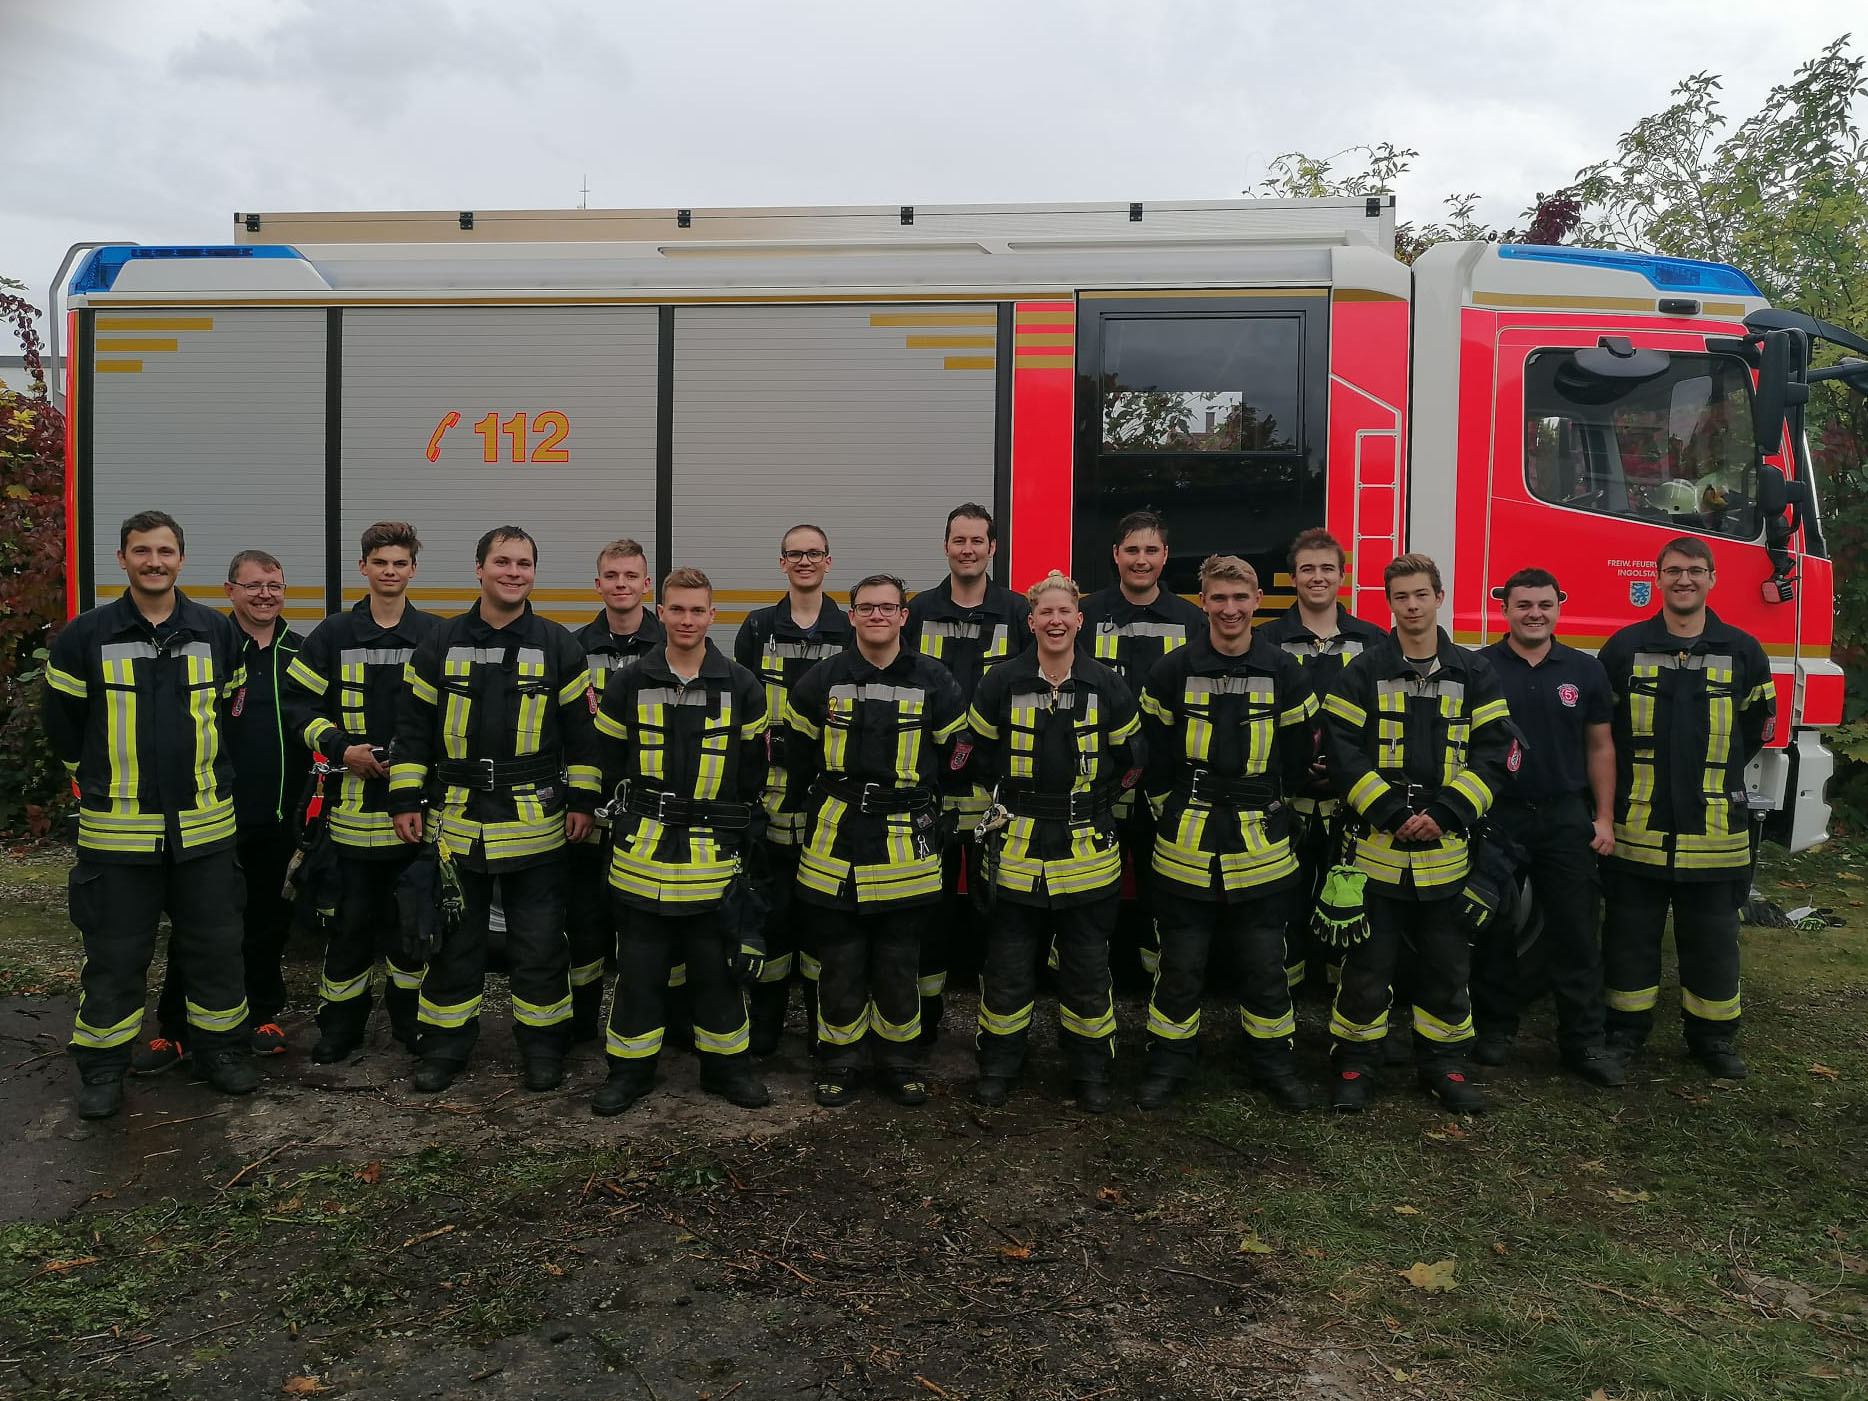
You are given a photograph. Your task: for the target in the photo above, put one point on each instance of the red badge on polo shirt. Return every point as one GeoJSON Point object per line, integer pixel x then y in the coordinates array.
{"type": "Point", "coordinates": [1569, 695]}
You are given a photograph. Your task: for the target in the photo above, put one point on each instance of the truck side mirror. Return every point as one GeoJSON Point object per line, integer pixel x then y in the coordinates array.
{"type": "Point", "coordinates": [1775, 361]}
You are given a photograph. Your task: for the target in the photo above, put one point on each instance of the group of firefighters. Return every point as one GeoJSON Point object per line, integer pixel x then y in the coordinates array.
{"type": "Point", "coordinates": [856, 803]}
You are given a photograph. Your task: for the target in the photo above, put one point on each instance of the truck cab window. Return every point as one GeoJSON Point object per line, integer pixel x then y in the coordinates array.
{"type": "Point", "coordinates": [1674, 447]}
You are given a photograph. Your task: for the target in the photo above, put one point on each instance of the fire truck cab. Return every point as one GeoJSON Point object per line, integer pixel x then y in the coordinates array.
{"type": "Point", "coordinates": [701, 379]}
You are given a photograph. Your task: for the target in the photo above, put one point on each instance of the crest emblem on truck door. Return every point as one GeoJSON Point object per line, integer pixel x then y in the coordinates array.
{"type": "Point", "coordinates": [1640, 592]}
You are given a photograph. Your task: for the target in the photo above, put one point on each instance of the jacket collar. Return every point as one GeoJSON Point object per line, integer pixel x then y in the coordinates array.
{"type": "Point", "coordinates": [1262, 655]}
{"type": "Point", "coordinates": [995, 601]}
{"type": "Point", "coordinates": [1451, 657]}
{"type": "Point", "coordinates": [364, 624]}
{"type": "Point", "coordinates": [596, 636]}
{"type": "Point", "coordinates": [830, 619]}
{"type": "Point", "coordinates": [476, 626]}
{"type": "Point", "coordinates": [1655, 637]}
{"type": "Point", "coordinates": [713, 665]}
{"type": "Point", "coordinates": [186, 617]}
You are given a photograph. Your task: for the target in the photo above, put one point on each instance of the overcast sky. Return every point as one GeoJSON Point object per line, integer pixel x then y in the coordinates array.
{"type": "Point", "coordinates": [154, 120]}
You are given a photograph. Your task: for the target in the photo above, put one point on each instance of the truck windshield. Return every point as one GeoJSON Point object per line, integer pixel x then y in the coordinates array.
{"type": "Point", "coordinates": [1674, 448]}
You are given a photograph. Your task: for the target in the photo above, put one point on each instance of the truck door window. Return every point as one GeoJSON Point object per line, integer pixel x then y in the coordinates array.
{"type": "Point", "coordinates": [1201, 384]}
{"type": "Point", "coordinates": [1675, 447]}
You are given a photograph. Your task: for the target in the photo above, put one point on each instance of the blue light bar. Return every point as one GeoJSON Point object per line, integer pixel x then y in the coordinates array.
{"type": "Point", "coordinates": [1666, 274]}
{"type": "Point", "coordinates": [98, 272]}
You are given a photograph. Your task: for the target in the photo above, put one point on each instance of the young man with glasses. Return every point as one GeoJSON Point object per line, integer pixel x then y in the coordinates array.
{"type": "Point", "coordinates": [778, 644]}
{"type": "Point", "coordinates": [496, 761]}
{"type": "Point", "coordinates": [969, 625]}
{"type": "Point", "coordinates": [139, 693]}
{"type": "Point", "coordinates": [871, 732]}
{"type": "Point", "coordinates": [624, 631]}
{"type": "Point", "coordinates": [342, 693]}
{"type": "Point", "coordinates": [270, 765]}
{"type": "Point", "coordinates": [1694, 703]}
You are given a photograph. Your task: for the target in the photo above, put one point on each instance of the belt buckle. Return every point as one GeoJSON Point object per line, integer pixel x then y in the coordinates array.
{"type": "Point", "coordinates": [661, 805]}
{"type": "Point", "coordinates": [862, 800]}
{"type": "Point", "coordinates": [487, 782]}
{"type": "Point", "coordinates": [1196, 790]}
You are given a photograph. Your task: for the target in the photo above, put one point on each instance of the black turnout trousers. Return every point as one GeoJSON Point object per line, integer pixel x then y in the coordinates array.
{"type": "Point", "coordinates": [639, 1012]}
{"type": "Point", "coordinates": [868, 982]}
{"type": "Point", "coordinates": [368, 926]}
{"type": "Point", "coordinates": [1252, 929]}
{"type": "Point", "coordinates": [1019, 937]}
{"type": "Point", "coordinates": [265, 850]}
{"type": "Point", "coordinates": [1705, 936]}
{"type": "Point", "coordinates": [1400, 925]}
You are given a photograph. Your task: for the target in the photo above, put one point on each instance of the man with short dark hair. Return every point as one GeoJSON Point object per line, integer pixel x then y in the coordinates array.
{"type": "Point", "coordinates": [496, 760]}
{"type": "Point", "coordinates": [1559, 809]}
{"type": "Point", "coordinates": [1129, 626]}
{"type": "Point", "coordinates": [968, 624]}
{"type": "Point", "coordinates": [1419, 740]}
{"type": "Point", "coordinates": [1694, 703]}
{"type": "Point", "coordinates": [342, 694]}
{"type": "Point", "coordinates": [682, 739]}
{"type": "Point", "coordinates": [138, 695]}
{"type": "Point", "coordinates": [779, 643]}
{"type": "Point", "coordinates": [872, 728]}
{"type": "Point", "coordinates": [1324, 637]}
{"type": "Point", "coordinates": [624, 632]}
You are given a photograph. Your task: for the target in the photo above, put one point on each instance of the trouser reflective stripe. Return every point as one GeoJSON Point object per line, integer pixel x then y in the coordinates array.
{"type": "Point", "coordinates": [1438, 977]}
{"type": "Point", "coordinates": [366, 927]}
{"type": "Point", "coordinates": [639, 1009]}
{"type": "Point", "coordinates": [537, 954]}
{"type": "Point", "coordinates": [868, 976]}
{"type": "Point", "coordinates": [116, 909]}
{"type": "Point", "coordinates": [1555, 837]}
{"type": "Point", "coordinates": [1705, 934]}
{"type": "Point", "coordinates": [583, 974]}
{"type": "Point", "coordinates": [1253, 929]}
{"type": "Point", "coordinates": [1075, 936]}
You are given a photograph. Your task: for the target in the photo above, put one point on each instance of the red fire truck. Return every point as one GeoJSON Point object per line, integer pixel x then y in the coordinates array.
{"type": "Point", "coordinates": [700, 379]}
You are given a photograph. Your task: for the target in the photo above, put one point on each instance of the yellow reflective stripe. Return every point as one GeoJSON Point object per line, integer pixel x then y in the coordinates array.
{"type": "Point", "coordinates": [407, 979]}
{"type": "Point", "coordinates": [1435, 1029]}
{"type": "Point", "coordinates": [776, 970]}
{"type": "Point", "coordinates": [1126, 729]}
{"type": "Point", "coordinates": [573, 689]}
{"type": "Point", "coordinates": [424, 689]}
{"type": "Point", "coordinates": [931, 984]}
{"type": "Point", "coordinates": [752, 729]}
{"type": "Point", "coordinates": [1343, 1029]}
{"type": "Point", "coordinates": [333, 990]}
{"type": "Point", "coordinates": [299, 670]}
{"type": "Point", "coordinates": [587, 777]}
{"type": "Point", "coordinates": [1095, 1028]}
{"type": "Point", "coordinates": [731, 1044]}
{"type": "Point", "coordinates": [1151, 706]}
{"type": "Point", "coordinates": [1712, 1009]}
{"type": "Point", "coordinates": [1268, 1028]}
{"type": "Point", "coordinates": [980, 724]}
{"type": "Point", "coordinates": [1631, 1000]}
{"type": "Point", "coordinates": [584, 974]}
{"type": "Point", "coordinates": [1473, 789]}
{"type": "Point", "coordinates": [993, 1023]}
{"type": "Point", "coordinates": [1160, 1024]}
{"type": "Point", "coordinates": [632, 1047]}
{"type": "Point", "coordinates": [65, 682]}
{"type": "Point", "coordinates": [1344, 709]}
{"type": "Point", "coordinates": [102, 1038]}
{"type": "Point", "coordinates": [810, 966]}
{"type": "Point", "coordinates": [1367, 790]}
{"type": "Point", "coordinates": [205, 1019]}
{"type": "Point", "coordinates": [898, 1032]}
{"type": "Point", "coordinates": [446, 1015]}
{"type": "Point", "coordinates": [796, 721]}
{"type": "Point", "coordinates": [609, 725]}
{"type": "Point", "coordinates": [365, 830]}
{"type": "Point", "coordinates": [678, 976]}
{"type": "Point", "coordinates": [1298, 714]}
{"type": "Point", "coordinates": [948, 731]}
{"type": "Point", "coordinates": [1488, 712]}
{"type": "Point", "coordinates": [1293, 974]}
{"type": "Point", "coordinates": [405, 774]}
{"type": "Point", "coordinates": [841, 1033]}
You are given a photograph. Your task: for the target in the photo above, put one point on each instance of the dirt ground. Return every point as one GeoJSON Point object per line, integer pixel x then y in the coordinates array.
{"type": "Point", "coordinates": [687, 1249]}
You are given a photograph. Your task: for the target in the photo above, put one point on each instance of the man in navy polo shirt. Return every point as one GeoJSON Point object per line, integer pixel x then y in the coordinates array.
{"type": "Point", "coordinates": [1561, 811]}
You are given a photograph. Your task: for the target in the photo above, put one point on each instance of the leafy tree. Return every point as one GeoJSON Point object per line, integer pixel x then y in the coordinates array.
{"type": "Point", "coordinates": [32, 579]}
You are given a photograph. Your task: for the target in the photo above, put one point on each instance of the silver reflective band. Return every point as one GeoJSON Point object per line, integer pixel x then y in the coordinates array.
{"type": "Point", "coordinates": [374, 656]}
{"type": "Point", "coordinates": [878, 691]}
{"type": "Point", "coordinates": [1257, 687]}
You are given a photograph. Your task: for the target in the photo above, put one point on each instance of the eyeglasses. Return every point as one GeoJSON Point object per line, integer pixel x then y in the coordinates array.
{"type": "Point", "coordinates": [1690, 571]}
{"type": "Point", "coordinates": [803, 556]}
{"type": "Point", "coordinates": [875, 610]}
{"type": "Point", "coordinates": [264, 587]}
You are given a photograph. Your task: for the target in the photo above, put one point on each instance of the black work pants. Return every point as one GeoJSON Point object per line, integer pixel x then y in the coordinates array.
{"type": "Point", "coordinates": [770, 997]}
{"type": "Point", "coordinates": [639, 1011]}
{"type": "Point", "coordinates": [1253, 931]}
{"type": "Point", "coordinates": [1401, 923]}
{"type": "Point", "coordinates": [368, 926]}
{"type": "Point", "coordinates": [1555, 836]}
{"type": "Point", "coordinates": [869, 962]}
{"type": "Point", "coordinates": [954, 945]}
{"type": "Point", "coordinates": [1705, 936]}
{"type": "Point", "coordinates": [1308, 961]}
{"type": "Point", "coordinates": [265, 850]}
{"type": "Point", "coordinates": [116, 909]}
{"type": "Point", "coordinates": [1017, 938]}
{"type": "Point", "coordinates": [1134, 948]}
{"type": "Point", "coordinates": [537, 957]}
{"type": "Point", "coordinates": [590, 924]}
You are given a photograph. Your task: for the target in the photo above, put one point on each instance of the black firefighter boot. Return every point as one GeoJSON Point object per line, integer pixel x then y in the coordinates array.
{"type": "Point", "coordinates": [629, 1081]}
{"type": "Point", "coordinates": [1444, 1077]}
{"type": "Point", "coordinates": [1274, 1070]}
{"type": "Point", "coordinates": [732, 1078]}
{"type": "Point", "coordinates": [1351, 1085]}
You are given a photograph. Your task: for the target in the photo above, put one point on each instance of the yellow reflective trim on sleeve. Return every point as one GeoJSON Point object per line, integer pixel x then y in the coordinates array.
{"type": "Point", "coordinates": [425, 691]}
{"type": "Point", "coordinates": [65, 682]}
{"type": "Point", "coordinates": [1367, 790]}
{"type": "Point", "coordinates": [1151, 706]}
{"type": "Point", "coordinates": [796, 721]}
{"type": "Point", "coordinates": [407, 775]}
{"type": "Point", "coordinates": [1344, 709]}
{"type": "Point", "coordinates": [980, 724]}
{"type": "Point", "coordinates": [573, 689]}
{"type": "Point", "coordinates": [587, 777]}
{"type": "Point", "coordinates": [611, 727]}
{"type": "Point", "coordinates": [947, 732]}
{"type": "Point", "coordinates": [1492, 710]}
{"type": "Point", "coordinates": [1473, 789]}
{"type": "Point", "coordinates": [1122, 732]}
{"type": "Point", "coordinates": [300, 671]}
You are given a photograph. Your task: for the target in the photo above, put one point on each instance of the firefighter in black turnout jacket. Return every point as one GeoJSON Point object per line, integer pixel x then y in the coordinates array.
{"type": "Point", "coordinates": [871, 730]}
{"type": "Point", "coordinates": [1228, 720]}
{"type": "Point", "coordinates": [1128, 627]}
{"type": "Point", "coordinates": [137, 694]}
{"type": "Point", "coordinates": [1056, 737]}
{"type": "Point", "coordinates": [1419, 739]}
{"type": "Point", "coordinates": [1324, 637]}
{"type": "Point", "coordinates": [779, 644]}
{"type": "Point", "coordinates": [1694, 703]}
{"type": "Point", "coordinates": [969, 625]}
{"type": "Point", "coordinates": [495, 724]}
{"type": "Point", "coordinates": [682, 739]}
{"type": "Point", "coordinates": [343, 692]}
{"type": "Point", "coordinates": [613, 641]}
